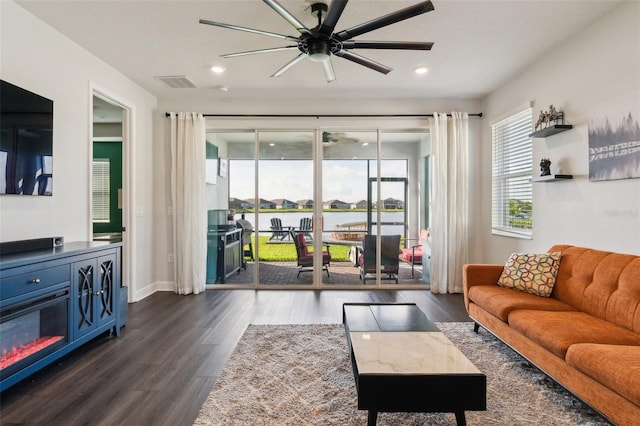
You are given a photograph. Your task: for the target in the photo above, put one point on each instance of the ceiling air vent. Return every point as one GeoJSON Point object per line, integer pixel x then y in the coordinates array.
{"type": "Point", "coordinates": [176, 81]}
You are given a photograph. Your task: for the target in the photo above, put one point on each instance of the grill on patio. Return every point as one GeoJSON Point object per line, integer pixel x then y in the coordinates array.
{"type": "Point", "coordinates": [247, 230]}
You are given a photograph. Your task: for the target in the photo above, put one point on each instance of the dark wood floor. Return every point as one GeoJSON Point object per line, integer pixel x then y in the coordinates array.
{"type": "Point", "coordinates": [162, 367]}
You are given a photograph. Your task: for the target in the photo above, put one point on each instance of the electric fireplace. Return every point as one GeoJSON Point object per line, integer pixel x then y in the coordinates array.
{"type": "Point", "coordinates": [53, 300]}
{"type": "Point", "coordinates": [32, 329]}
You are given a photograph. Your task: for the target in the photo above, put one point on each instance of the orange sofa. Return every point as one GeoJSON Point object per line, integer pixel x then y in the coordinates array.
{"type": "Point", "coordinates": [586, 335]}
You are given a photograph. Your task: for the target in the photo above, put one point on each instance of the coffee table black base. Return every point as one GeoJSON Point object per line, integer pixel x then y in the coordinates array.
{"type": "Point", "coordinates": [372, 419]}
{"type": "Point", "coordinates": [432, 392]}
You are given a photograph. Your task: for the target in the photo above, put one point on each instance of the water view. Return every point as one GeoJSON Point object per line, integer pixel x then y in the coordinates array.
{"type": "Point", "coordinates": [332, 220]}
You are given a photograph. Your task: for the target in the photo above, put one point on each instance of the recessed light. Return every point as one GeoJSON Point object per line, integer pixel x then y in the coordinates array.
{"type": "Point", "coordinates": [223, 88]}
{"type": "Point", "coordinates": [272, 144]}
{"type": "Point", "coordinates": [420, 70]}
{"type": "Point", "coordinates": [217, 69]}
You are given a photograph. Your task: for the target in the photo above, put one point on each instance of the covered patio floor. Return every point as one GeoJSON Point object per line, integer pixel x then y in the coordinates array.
{"type": "Point", "coordinates": [340, 273]}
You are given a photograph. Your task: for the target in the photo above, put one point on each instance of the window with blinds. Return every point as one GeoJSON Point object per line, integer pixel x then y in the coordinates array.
{"type": "Point", "coordinates": [512, 195]}
{"type": "Point", "coordinates": [101, 191]}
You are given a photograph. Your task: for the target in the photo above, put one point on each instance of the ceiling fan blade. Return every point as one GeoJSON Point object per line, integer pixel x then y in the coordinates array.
{"type": "Point", "coordinates": [328, 71]}
{"type": "Point", "coordinates": [334, 13]}
{"type": "Point", "coordinates": [248, 30]}
{"type": "Point", "coordinates": [364, 61]}
{"type": "Point", "coordinates": [383, 21]}
{"type": "Point", "coordinates": [280, 10]}
{"type": "Point", "coordinates": [399, 45]}
{"type": "Point", "coordinates": [288, 65]}
{"type": "Point", "coordinates": [252, 52]}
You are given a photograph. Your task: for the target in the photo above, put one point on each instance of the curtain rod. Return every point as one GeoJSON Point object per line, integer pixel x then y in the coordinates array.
{"type": "Point", "coordinates": [479, 114]}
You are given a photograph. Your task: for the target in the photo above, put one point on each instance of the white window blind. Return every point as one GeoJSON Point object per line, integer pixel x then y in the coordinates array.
{"type": "Point", "coordinates": [512, 195]}
{"type": "Point", "coordinates": [101, 191]}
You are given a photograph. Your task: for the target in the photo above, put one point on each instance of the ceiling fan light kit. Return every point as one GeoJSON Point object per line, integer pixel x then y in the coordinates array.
{"type": "Point", "coordinates": [320, 43]}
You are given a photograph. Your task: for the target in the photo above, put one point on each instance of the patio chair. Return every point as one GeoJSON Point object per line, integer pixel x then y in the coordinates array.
{"type": "Point", "coordinates": [305, 227]}
{"type": "Point", "coordinates": [305, 257]}
{"type": "Point", "coordinates": [414, 255]}
{"type": "Point", "coordinates": [389, 261]}
{"type": "Point", "coordinates": [277, 231]}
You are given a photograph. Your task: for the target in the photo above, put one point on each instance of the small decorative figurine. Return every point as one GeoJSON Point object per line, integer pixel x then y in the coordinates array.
{"type": "Point", "coordinates": [550, 117]}
{"type": "Point", "coordinates": [545, 167]}
{"type": "Point", "coordinates": [541, 120]}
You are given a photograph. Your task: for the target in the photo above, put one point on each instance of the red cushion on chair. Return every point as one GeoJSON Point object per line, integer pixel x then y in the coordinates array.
{"type": "Point", "coordinates": [302, 243]}
{"type": "Point", "coordinates": [407, 255]}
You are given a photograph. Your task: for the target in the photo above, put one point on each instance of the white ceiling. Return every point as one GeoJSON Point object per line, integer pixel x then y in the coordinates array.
{"type": "Point", "coordinates": [479, 44]}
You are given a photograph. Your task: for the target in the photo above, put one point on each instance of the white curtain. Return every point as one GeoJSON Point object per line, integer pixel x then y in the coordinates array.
{"type": "Point", "coordinates": [450, 189]}
{"type": "Point", "coordinates": [188, 186]}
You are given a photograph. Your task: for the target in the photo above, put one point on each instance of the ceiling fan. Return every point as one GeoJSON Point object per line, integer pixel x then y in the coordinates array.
{"type": "Point", "coordinates": [321, 42]}
{"type": "Point", "coordinates": [330, 138]}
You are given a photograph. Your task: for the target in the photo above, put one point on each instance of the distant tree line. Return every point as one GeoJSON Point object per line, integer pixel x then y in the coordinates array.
{"type": "Point", "coordinates": [627, 131]}
{"type": "Point", "coordinates": [520, 214]}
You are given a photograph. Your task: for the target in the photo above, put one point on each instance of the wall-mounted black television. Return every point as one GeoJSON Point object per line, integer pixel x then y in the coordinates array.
{"type": "Point", "coordinates": [26, 142]}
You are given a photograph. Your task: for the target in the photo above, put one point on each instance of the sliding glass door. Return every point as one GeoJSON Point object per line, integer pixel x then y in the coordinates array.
{"type": "Point", "coordinates": [346, 159]}
{"type": "Point", "coordinates": [232, 219]}
{"type": "Point", "coordinates": [306, 200]}
{"type": "Point", "coordinates": [285, 193]}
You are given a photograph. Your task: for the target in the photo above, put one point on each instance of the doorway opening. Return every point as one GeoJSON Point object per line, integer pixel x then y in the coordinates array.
{"type": "Point", "coordinates": [110, 163]}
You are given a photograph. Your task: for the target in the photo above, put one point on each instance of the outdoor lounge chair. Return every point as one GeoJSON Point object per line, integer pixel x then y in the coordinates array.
{"type": "Point", "coordinates": [389, 261]}
{"type": "Point", "coordinates": [414, 255]}
{"type": "Point", "coordinates": [278, 232]}
{"type": "Point", "coordinates": [305, 257]}
{"type": "Point", "coordinates": [305, 227]}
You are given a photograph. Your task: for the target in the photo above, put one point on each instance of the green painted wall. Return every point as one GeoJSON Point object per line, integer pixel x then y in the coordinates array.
{"type": "Point", "coordinates": [112, 151]}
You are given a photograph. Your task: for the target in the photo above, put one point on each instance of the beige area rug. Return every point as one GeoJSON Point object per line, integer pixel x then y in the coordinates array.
{"type": "Point", "coordinates": [301, 375]}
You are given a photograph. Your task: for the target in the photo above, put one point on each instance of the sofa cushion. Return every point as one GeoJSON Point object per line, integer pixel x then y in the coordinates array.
{"type": "Point", "coordinates": [499, 301]}
{"type": "Point", "coordinates": [600, 283]}
{"type": "Point", "coordinates": [557, 331]}
{"type": "Point", "coordinates": [531, 273]}
{"type": "Point", "coordinates": [615, 366]}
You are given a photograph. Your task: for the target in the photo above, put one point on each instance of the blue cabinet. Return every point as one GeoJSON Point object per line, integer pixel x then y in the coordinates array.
{"type": "Point", "coordinates": [54, 300]}
{"type": "Point", "coordinates": [93, 293]}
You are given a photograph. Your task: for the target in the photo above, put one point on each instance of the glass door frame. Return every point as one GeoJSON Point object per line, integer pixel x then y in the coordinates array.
{"type": "Point", "coordinates": [317, 216]}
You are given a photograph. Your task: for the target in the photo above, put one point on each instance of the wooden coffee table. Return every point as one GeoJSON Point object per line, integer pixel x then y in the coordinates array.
{"type": "Point", "coordinates": [403, 363]}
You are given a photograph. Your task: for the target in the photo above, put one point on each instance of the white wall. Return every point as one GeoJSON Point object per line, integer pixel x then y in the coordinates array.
{"type": "Point", "coordinates": [215, 103]}
{"type": "Point", "coordinates": [38, 58]}
{"type": "Point", "coordinates": [597, 64]}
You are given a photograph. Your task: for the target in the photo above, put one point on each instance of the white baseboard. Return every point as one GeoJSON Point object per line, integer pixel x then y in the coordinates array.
{"type": "Point", "coordinates": [152, 288]}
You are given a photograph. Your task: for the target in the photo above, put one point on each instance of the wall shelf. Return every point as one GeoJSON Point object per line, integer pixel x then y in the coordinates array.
{"type": "Point", "coordinates": [551, 130]}
{"type": "Point", "coordinates": [551, 178]}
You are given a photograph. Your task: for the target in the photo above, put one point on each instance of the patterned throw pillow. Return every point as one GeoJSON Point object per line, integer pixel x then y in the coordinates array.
{"type": "Point", "coordinates": [531, 273]}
